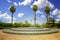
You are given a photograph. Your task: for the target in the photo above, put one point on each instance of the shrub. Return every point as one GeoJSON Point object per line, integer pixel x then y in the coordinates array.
{"type": "Point", "coordinates": [38, 25]}
{"type": "Point", "coordinates": [44, 25]}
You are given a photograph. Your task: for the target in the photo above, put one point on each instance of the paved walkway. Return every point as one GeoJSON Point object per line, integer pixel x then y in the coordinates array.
{"type": "Point", "coordinates": [4, 36]}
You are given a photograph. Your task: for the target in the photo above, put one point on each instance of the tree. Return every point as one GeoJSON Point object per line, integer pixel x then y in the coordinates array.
{"type": "Point", "coordinates": [47, 10]}
{"type": "Point", "coordinates": [35, 8]}
{"type": "Point", "coordinates": [52, 21]}
{"type": "Point", "coordinates": [59, 22]}
{"type": "Point", "coordinates": [12, 10]}
{"type": "Point", "coordinates": [26, 24]}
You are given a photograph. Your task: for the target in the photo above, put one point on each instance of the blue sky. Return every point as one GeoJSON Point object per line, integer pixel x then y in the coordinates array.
{"type": "Point", "coordinates": [24, 10]}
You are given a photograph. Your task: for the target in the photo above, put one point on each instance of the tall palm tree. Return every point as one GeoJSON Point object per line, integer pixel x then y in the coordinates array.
{"type": "Point", "coordinates": [35, 8]}
{"type": "Point", "coordinates": [47, 10]}
{"type": "Point", "coordinates": [12, 10]}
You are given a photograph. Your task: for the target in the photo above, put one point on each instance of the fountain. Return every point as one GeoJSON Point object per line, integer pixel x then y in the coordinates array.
{"type": "Point", "coordinates": [30, 30]}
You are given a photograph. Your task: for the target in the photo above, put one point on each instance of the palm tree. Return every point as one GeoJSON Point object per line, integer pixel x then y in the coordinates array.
{"type": "Point", "coordinates": [12, 10]}
{"type": "Point", "coordinates": [47, 10]}
{"type": "Point", "coordinates": [35, 8]}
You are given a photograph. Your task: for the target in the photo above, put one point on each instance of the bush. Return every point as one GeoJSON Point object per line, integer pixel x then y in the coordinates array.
{"type": "Point", "coordinates": [57, 25]}
{"type": "Point", "coordinates": [44, 25]}
{"type": "Point", "coordinates": [15, 25]}
{"type": "Point", "coordinates": [26, 25]}
{"type": "Point", "coordinates": [5, 25]}
{"type": "Point", "coordinates": [38, 25]}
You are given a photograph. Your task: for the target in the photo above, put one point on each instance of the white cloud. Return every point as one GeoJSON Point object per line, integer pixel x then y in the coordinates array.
{"type": "Point", "coordinates": [50, 5]}
{"type": "Point", "coordinates": [42, 16]}
{"type": "Point", "coordinates": [16, 4]}
{"type": "Point", "coordinates": [51, 15]}
{"type": "Point", "coordinates": [42, 20]}
{"type": "Point", "coordinates": [57, 20]}
{"type": "Point", "coordinates": [0, 12]}
{"type": "Point", "coordinates": [56, 12]}
{"type": "Point", "coordinates": [7, 17]}
{"type": "Point", "coordinates": [31, 6]}
{"type": "Point", "coordinates": [9, 7]}
{"type": "Point", "coordinates": [39, 12]}
{"type": "Point", "coordinates": [26, 2]}
{"type": "Point", "coordinates": [43, 3]}
{"type": "Point", "coordinates": [9, 1]}
{"type": "Point", "coordinates": [58, 16]}
{"type": "Point", "coordinates": [19, 3]}
{"type": "Point", "coordinates": [2, 15]}
{"type": "Point", "coordinates": [20, 15]}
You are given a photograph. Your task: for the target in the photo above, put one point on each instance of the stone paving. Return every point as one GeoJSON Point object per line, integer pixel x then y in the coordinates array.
{"type": "Point", "coordinates": [5, 36]}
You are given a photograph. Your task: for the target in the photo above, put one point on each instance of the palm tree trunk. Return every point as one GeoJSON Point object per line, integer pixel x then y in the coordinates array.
{"type": "Point", "coordinates": [35, 19]}
{"type": "Point", "coordinates": [12, 20]}
{"type": "Point", "coordinates": [47, 20]}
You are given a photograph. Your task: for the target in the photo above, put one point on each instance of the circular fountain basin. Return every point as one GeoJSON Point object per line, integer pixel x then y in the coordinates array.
{"type": "Point", "coordinates": [30, 30]}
